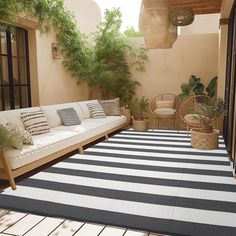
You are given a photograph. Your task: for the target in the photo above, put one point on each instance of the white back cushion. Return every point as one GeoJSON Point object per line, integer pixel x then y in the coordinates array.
{"type": "Point", "coordinates": [54, 119]}
{"type": "Point", "coordinates": [84, 107]}
{"type": "Point", "coordinates": [13, 116]}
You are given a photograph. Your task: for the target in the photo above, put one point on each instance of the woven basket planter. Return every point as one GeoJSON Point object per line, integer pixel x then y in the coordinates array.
{"type": "Point", "coordinates": [140, 125]}
{"type": "Point", "coordinates": [204, 141]}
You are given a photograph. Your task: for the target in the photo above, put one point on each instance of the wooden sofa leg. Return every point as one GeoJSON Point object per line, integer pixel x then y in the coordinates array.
{"type": "Point", "coordinates": [81, 150]}
{"type": "Point", "coordinates": [8, 170]}
{"type": "Point", "coordinates": [106, 136]}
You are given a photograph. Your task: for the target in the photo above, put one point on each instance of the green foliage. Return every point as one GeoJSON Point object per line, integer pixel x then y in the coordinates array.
{"type": "Point", "coordinates": [195, 87]}
{"type": "Point", "coordinates": [107, 66]}
{"type": "Point", "coordinates": [112, 59]}
{"type": "Point", "coordinates": [138, 107]}
{"type": "Point", "coordinates": [131, 32]}
{"type": "Point", "coordinates": [5, 139]}
{"type": "Point", "coordinates": [208, 110]}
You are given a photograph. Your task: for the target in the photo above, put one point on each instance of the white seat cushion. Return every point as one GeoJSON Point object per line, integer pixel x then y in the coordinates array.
{"type": "Point", "coordinates": [165, 111]}
{"type": "Point", "coordinates": [59, 138]}
{"type": "Point", "coordinates": [54, 119]}
{"type": "Point", "coordinates": [192, 118]}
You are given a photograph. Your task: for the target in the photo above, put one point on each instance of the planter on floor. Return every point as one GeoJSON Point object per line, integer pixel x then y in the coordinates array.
{"type": "Point", "coordinates": [203, 140]}
{"type": "Point", "coordinates": [140, 125]}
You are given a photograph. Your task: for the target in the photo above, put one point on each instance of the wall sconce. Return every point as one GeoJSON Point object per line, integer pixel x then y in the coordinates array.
{"type": "Point", "coordinates": [56, 51]}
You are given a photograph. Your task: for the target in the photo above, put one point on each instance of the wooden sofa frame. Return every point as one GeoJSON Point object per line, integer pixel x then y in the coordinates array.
{"type": "Point", "coordinates": [7, 173]}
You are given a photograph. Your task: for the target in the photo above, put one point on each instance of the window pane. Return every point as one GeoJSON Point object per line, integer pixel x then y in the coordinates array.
{"type": "Point", "coordinates": [17, 97]}
{"type": "Point", "coordinates": [3, 70]}
{"type": "Point", "coordinates": [23, 71]}
{"type": "Point", "coordinates": [3, 42]}
{"type": "Point", "coordinates": [6, 97]}
{"type": "Point", "coordinates": [20, 39]}
{"type": "Point", "coordinates": [24, 96]}
{"type": "Point", "coordinates": [15, 70]}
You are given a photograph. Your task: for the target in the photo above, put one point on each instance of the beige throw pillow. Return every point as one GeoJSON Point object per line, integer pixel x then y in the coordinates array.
{"type": "Point", "coordinates": [18, 135]}
{"type": "Point", "coordinates": [111, 107]}
{"type": "Point", "coordinates": [35, 122]}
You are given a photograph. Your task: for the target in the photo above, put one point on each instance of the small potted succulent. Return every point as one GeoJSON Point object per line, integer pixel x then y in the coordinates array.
{"type": "Point", "coordinates": [207, 111]}
{"type": "Point", "coordinates": [138, 107]}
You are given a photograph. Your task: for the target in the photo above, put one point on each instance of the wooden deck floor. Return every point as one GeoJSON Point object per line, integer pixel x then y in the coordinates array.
{"type": "Point", "coordinates": [22, 224]}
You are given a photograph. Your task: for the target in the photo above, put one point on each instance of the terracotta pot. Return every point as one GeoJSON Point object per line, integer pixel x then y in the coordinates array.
{"type": "Point", "coordinates": [204, 141]}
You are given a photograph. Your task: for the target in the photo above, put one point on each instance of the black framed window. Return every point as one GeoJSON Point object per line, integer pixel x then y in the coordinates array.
{"type": "Point", "coordinates": [14, 69]}
{"type": "Point", "coordinates": [230, 88]}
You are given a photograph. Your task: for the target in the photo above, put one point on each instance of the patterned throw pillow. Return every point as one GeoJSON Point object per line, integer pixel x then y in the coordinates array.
{"type": "Point", "coordinates": [111, 107]}
{"type": "Point", "coordinates": [96, 110]}
{"type": "Point", "coordinates": [18, 136]}
{"type": "Point", "coordinates": [69, 116]}
{"type": "Point", "coordinates": [35, 122]}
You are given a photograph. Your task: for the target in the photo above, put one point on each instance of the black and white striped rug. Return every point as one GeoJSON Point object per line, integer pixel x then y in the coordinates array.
{"type": "Point", "coordinates": [152, 181]}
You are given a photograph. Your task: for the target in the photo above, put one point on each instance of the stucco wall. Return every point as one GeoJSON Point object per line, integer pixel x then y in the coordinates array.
{"type": "Point", "coordinates": [202, 24]}
{"type": "Point", "coordinates": [55, 84]}
{"type": "Point", "coordinates": [168, 68]}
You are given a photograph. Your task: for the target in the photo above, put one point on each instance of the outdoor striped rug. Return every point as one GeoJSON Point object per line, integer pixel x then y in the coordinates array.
{"type": "Point", "coordinates": [151, 181]}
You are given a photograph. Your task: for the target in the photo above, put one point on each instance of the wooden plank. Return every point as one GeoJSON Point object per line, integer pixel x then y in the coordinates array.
{"type": "Point", "coordinates": [3, 212]}
{"type": "Point", "coordinates": [224, 21]}
{"type": "Point", "coordinates": [45, 227]}
{"type": "Point", "coordinates": [9, 219]}
{"type": "Point", "coordinates": [24, 225]}
{"type": "Point", "coordinates": [29, 24]}
{"type": "Point", "coordinates": [90, 230]}
{"type": "Point", "coordinates": [109, 230]}
{"type": "Point", "coordinates": [135, 233]}
{"type": "Point", "coordinates": [68, 228]}
{"type": "Point", "coordinates": [198, 7]}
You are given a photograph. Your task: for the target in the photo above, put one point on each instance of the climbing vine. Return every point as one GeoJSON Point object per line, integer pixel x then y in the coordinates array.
{"type": "Point", "coordinates": [106, 66]}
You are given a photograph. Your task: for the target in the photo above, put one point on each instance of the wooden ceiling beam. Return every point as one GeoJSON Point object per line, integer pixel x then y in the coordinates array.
{"type": "Point", "coordinates": [197, 6]}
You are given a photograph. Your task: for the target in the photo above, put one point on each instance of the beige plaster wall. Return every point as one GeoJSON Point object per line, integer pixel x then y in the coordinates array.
{"type": "Point", "coordinates": [202, 24]}
{"type": "Point", "coordinates": [168, 68]}
{"type": "Point", "coordinates": [55, 84]}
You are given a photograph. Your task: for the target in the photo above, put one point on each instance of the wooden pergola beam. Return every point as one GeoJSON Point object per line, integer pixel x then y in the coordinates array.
{"type": "Point", "coordinates": [197, 6]}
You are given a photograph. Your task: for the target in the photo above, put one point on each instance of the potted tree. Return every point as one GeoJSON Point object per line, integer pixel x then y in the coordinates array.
{"type": "Point", "coordinates": [138, 107]}
{"type": "Point", "coordinates": [207, 111]}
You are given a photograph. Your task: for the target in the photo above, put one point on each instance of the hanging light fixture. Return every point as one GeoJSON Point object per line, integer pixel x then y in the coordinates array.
{"type": "Point", "coordinates": [182, 17]}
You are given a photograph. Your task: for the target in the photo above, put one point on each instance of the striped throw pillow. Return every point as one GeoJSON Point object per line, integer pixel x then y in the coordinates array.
{"type": "Point", "coordinates": [35, 122]}
{"type": "Point", "coordinates": [96, 110]}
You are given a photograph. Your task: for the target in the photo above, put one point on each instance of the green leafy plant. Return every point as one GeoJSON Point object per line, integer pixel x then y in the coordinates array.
{"type": "Point", "coordinates": [5, 139]}
{"type": "Point", "coordinates": [208, 110]}
{"type": "Point", "coordinates": [131, 32]}
{"type": "Point", "coordinates": [138, 107]}
{"type": "Point", "coordinates": [195, 87]}
{"type": "Point", "coordinates": [112, 59]}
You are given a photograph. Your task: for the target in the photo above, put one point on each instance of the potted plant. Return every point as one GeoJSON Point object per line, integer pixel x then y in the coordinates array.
{"type": "Point", "coordinates": [138, 107]}
{"type": "Point", "coordinates": [207, 111]}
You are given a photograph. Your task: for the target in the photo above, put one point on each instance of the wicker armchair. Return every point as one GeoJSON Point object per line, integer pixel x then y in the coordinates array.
{"type": "Point", "coordinates": [164, 106]}
{"type": "Point", "coordinates": [186, 111]}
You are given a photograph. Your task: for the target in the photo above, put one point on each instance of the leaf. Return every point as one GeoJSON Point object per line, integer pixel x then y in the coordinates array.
{"type": "Point", "coordinates": [199, 89]}
{"type": "Point", "coordinates": [185, 88]}
{"type": "Point", "coordinates": [212, 86]}
{"type": "Point", "coordinates": [193, 81]}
